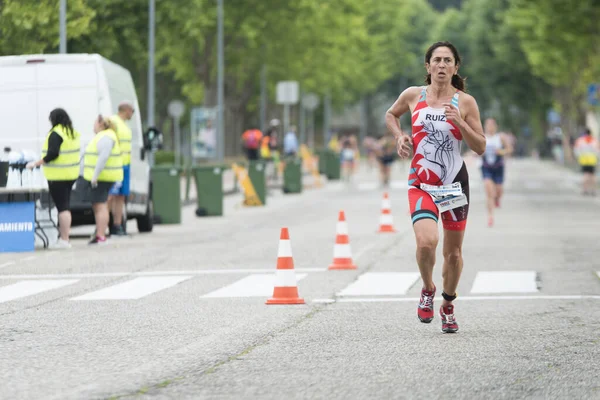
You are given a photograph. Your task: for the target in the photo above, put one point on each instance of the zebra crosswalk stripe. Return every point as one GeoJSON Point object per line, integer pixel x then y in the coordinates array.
{"type": "Point", "coordinates": [134, 288]}
{"type": "Point", "coordinates": [255, 285]}
{"type": "Point", "coordinates": [381, 283]}
{"type": "Point", "coordinates": [505, 282]}
{"type": "Point", "coordinates": [27, 288]}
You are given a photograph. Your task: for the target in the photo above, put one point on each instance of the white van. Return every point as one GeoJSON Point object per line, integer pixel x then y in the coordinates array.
{"type": "Point", "coordinates": [85, 85]}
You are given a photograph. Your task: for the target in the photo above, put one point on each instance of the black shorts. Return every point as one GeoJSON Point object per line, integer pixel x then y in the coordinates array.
{"type": "Point", "coordinates": [252, 154]}
{"type": "Point", "coordinates": [61, 194]}
{"type": "Point", "coordinates": [387, 160]}
{"type": "Point", "coordinates": [588, 168]}
{"type": "Point", "coordinates": [99, 194]}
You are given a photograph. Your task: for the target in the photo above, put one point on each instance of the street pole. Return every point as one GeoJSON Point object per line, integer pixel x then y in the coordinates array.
{"type": "Point", "coordinates": [62, 47]}
{"type": "Point", "coordinates": [220, 82]}
{"type": "Point", "coordinates": [263, 98]}
{"type": "Point", "coordinates": [150, 109]}
{"type": "Point", "coordinates": [363, 118]}
{"type": "Point", "coordinates": [302, 120]}
{"type": "Point", "coordinates": [311, 132]}
{"type": "Point", "coordinates": [327, 121]}
{"type": "Point", "coordinates": [151, 26]}
{"type": "Point", "coordinates": [286, 118]}
{"type": "Point", "coordinates": [177, 142]}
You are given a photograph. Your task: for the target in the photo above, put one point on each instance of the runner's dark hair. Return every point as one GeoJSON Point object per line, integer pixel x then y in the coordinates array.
{"type": "Point", "coordinates": [457, 81]}
{"type": "Point", "coordinates": [58, 116]}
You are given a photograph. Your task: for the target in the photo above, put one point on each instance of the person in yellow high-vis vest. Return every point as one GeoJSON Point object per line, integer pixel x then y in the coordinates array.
{"type": "Point", "coordinates": [587, 150]}
{"type": "Point", "coordinates": [102, 166]}
{"type": "Point", "coordinates": [120, 190]}
{"type": "Point", "coordinates": [60, 161]}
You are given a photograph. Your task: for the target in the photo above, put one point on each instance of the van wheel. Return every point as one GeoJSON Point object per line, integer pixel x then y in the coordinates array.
{"type": "Point", "coordinates": [145, 223]}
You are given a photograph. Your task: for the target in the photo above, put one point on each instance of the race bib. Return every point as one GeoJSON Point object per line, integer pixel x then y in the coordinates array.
{"type": "Point", "coordinates": [446, 197]}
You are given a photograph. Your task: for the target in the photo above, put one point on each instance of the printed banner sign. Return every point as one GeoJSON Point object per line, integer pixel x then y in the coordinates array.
{"type": "Point", "coordinates": [17, 227]}
{"type": "Point", "coordinates": [204, 132]}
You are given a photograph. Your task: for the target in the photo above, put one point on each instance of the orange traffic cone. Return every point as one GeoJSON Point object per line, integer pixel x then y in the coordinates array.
{"type": "Point", "coordinates": [386, 220]}
{"type": "Point", "coordinates": [286, 289]}
{"type": "Point", "coordinates": [342, 254]}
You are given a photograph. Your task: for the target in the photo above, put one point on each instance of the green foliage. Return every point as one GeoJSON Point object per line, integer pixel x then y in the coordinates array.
{"type": "Point", "coordinates": [518, 55]}
{"type": "Point", "coordinates": [32, 26]}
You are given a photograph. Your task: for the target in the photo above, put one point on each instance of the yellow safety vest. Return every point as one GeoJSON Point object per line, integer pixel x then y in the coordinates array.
{"type": "Point", "coordinates": [113, 170]}
{"type": "Point", "coordinates": [587, 152]}
{"type": "Point", "coordinates": [124, 134]}
{"type": "Point", "coordinates": [66, 166]}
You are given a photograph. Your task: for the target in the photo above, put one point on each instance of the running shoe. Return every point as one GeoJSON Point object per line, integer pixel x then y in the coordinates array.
{"type": "Point", "coordinates": [425, 309]}
{"type": "Point", "coordinates": [449, 324]}
{"type": "Point", "coordinates": [97, 241]}
{"type": "Point", "coordinates": [60, 245]}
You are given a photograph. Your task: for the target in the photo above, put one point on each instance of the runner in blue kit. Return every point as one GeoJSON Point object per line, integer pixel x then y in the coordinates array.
{"type": "Point", "coordinates": [492, 166]}
{"type": "Point", "coordinates": [443, 115]}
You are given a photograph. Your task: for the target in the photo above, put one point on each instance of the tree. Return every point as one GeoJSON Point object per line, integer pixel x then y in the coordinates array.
{"type": "Point", "coordinates": [32, 27]}
{"type": "Point", "coordinates": [561, 42]}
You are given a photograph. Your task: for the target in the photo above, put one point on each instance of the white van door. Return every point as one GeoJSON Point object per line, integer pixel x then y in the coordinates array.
{"type": "Point", "coordinates": [72, 87]}
{"type": "Point", "coordinates": [18, 108]}
{"type": "Point", "coordinates": [140, 170]}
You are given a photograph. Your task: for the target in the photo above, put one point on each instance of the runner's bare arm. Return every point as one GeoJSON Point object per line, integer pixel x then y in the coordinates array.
{"type": "Point", "coordinates": [507, 148]}
{"type": "Point", "coordinates": [400, 107]}
{"type": "Point", "coordinates": [470, 125]}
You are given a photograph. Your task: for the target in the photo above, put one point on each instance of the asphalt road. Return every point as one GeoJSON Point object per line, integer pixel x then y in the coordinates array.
{"type": "Point", "coordinates": [180, 313]}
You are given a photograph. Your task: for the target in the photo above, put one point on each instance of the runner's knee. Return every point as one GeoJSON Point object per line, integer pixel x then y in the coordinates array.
{"type": "Point", "coordinates": [426, 241]}
{"type": "Point", "coordinates": [453, 256]}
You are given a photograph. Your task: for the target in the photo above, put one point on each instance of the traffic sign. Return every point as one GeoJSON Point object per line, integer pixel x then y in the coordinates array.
{"type": "Point", "coordinates": [176, 108]}
{"type": "Point", "coordinates": [287, 92]}
{"type": "Point", "coordinates": [310, 101]}
{"type": "Point", "coordinates": [594, 94]}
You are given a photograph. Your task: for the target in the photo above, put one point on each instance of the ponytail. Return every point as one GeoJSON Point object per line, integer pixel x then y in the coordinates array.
{"type": "Point", "coordinates": [459, 82]}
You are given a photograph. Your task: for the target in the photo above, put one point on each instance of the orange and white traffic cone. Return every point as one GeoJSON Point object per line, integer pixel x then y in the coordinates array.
{"type": "Point", "coordinates": [286, 289]}
{"type": "Point", "coordinates": [386, 220]}
{"type": "Point", "coordinates": [342, 253]}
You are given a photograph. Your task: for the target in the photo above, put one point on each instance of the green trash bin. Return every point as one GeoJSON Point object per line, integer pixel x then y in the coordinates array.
{"type": "Point", "coordinates": [292, 176]}
{"type": "Point", "coordinates": [322, 154]}
{"type": "Point", "coordinates": [334, 169]}
{"type": "Point", "coordinates": [256, 173]}
{"type": "Point", "coordinates": [209, 190]}
{"type": "Point", "coordinates": [166, 193]}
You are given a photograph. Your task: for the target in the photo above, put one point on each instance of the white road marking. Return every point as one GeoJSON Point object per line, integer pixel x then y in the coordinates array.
{"type": "Point", "coordinates": [381, 283]}
{"type": "Point", "coordinates": [505, 282]}
{"type": "Point", "coordinates": [369, 186]}
{"type": "Point", "coordinates": [29, 288]}
{"type": "Point", "coordinates": [256, 285]}
{"type": "Point", "coordinates": [399, 184]}
{"type": "Point", "coordinates": [7, 264]}
{"type": "Point", "coordinates": [134, 289]}
{"type": "Point", "coordinates": [325, 301]}
{"type": "Point", "coordinates": [465, 298]}
{"type": "Point", "coordinates": [531, 185]}
{"type": "Point", "coordinates": [28, 258]}
{"type": "Point", "coordinates": [156, 273]}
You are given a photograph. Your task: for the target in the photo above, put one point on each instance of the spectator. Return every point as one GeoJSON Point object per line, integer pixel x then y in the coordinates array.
{"type": "Point", "coordinates": [61, 169]}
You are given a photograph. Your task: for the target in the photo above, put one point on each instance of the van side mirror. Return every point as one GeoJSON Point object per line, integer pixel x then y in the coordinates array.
{"type": "Point", "coordinates": [153, 139]}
